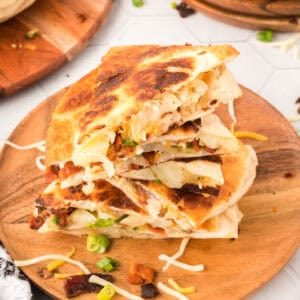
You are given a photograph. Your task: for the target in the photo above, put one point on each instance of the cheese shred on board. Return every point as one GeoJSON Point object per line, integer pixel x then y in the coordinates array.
{"type": "Point", "coordinates": [38, 145]}
{"type": "Point", "coordinates": [179, 253]}
{"type": "Point", "coordinates": [193, 268]}
{"type": "Point", "coordinates": [171, 292]}
{"type": "Point", "coordinates": [103, 282]}
{"type": "Point", "coordinates": [175, 286]}
{"type": "Point", "coordinates": [28, 262]}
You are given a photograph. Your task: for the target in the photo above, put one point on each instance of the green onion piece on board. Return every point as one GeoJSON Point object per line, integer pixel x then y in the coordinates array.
{"type": "Point", "coordinates": [265, 36]}
{"type": "Point", "coordinates": [106, 293]}
{"type": "Point", "coordinates": [97, 244]}
{"type": "Point", "coordinates": [107, 264]}
{"type": "Point", "coordinates": [138, 3]}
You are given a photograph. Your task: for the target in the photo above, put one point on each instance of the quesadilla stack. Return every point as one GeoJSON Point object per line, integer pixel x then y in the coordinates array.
{"type": "Point", "coordinates": [134, 149]}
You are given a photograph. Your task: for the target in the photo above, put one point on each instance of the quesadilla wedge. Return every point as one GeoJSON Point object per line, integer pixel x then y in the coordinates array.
{"type": "Point", "coordinates": [120, 206]}
{"type": "Point", "coordinates": [137, 93]}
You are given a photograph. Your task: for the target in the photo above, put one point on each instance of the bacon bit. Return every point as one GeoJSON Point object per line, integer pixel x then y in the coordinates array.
{"type": "Point", "coordinates": [140, 274]}
{"type": "Point", "coordinates": [35, 222]}
{"type": "Point", "coordinates": [118, 143]}
{"type": "Point", "coordinates": [288, 175]}
{"type": "Point", "coordinates": [150, 157]}
{"type": "Point", "coordinates": [62, 215]}
{"type": "Point", "coordinates": [68, 170]}
{"type": "Point", "coordinates": [195, 145]}
{"type": "Point", "coordinates": [209, 150]}
{"type": "Point", "coordinates": [135, 167]}
{"type": "Point", "coordinates": [184, 10]}
{"type": "Point", "coordinates": [297, 101]}
{"type": "Point", "coordinates": [157, 230]}
{"type": "Point", "coordinates": [51, 173]}
{"type": "Point", "coordinates": [78, 284]}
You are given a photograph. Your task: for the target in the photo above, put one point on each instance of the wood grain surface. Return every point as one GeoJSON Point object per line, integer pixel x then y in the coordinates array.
{"type": "Point", "coordinates": [278, 15]}
{"type": "Point", "coordinates": [65, 27]}
{"type": "Point", "coordinates": [269, 231]}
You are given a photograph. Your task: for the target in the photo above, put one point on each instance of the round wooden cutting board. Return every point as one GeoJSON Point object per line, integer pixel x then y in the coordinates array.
{"type": "Point", "coordinates": [64, 26]}
{"type": "Point", "coordinates": [278, 15]}
{"type": "Point", "coordinates": [269, 231]}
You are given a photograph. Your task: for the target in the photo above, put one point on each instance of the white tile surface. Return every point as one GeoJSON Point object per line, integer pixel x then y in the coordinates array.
{"type": "Point", "coordinates": [275, 75]}
{"type": "Point", "coordinates": [250, 68]}
{"type": "Point", "coordinates": [207, 30]}
{"type": "Point", "coordinates": [153, 30]}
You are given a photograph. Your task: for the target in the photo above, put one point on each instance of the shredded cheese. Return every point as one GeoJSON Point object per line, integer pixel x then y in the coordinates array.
{"type": "Point", "coordinates": [39, 145]}
{"type": "Point", "coordinates": [64, 276]}
{"type": "Point", "coordinates": [251, 135]}
{"type": "Point", "coordinates": [171, 292]}
{"type": "Point", "coordinates": [231, 111]}
{"type": "Point", "coordinates": [286, 44]}
{"type": "Point", "coordinates": [57, 263]}
{"type": "Point", "coordinates": [103, 282]}
{"type": "Point", "coordinates": [179, 253]}
{"type": "Point", "coordinates": [172, 261]}
{"type": "Point", "coordinates": [38, 162]}
{"type": "Point", "coordinates": [28, 262]}
{"type": "Point", "coordinates": [175, 286]}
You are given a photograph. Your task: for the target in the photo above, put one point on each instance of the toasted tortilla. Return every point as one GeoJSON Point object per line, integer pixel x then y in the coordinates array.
{"type": "Point", "coordinates": [138, 92]}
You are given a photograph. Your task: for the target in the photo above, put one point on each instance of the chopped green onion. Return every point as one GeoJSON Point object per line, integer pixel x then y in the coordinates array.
{"type": "Point", "coordinates": [128, 142]}
{"type": "Point", "coordinates": [189, 145]}
{"type": "Point", "coordinates": [106, 293]}
{"type": "Point", "coordinates": [138, 3]}
{"type": "Point", "coordinates": [55, 220]}
{"type": "Point", "coordinates": [107, 264]}
{"type": "Point", "coordinates": [102, 223]}
{"type": "Point", "coordinates": [31, 34]}
{"type": "Point", "coordinates": [97, 244]}
{"type": "Point", "coordinates": [119, 220]}
{"type": "Point", "coordinates": [175, 146]}
{"type": "Point", "coordinates": [157, 181]}
{"type": "Point", "coordinates": [265, 36]}
{"type": "Point", "coordinates": [135, 228]}
{"type": "Point", "coordinates": [173, 5]}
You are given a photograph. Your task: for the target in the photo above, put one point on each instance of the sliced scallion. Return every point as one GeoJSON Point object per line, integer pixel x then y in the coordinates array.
{"type": "Point", "coordinates": [106, 293]}
{"type": "Point", "coordinates": [97, 244]}
{"type": "Point", "coordinates": [107, 264]}
{"type": "Point", "coordinates": [265, 36]}
{"type": "Point", "coordinates": [138, 3]}
{"type": "Point", "coordinates": [129, 143]}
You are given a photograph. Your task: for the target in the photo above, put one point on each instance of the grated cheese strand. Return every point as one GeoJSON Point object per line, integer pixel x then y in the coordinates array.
{"type": "Point", "coordinates": [57, 263]}
{"type": "Point", "coordinates": [172, 261]}
{"type": "Point", "coordinates": [64, 276]}
{"type": "Point", "coordinates": [251, 135]}
{"type": "Point", "coordinates": [28, 262]}
{"type": "Point", "coordinates": [179, 253]}
{"type": "Point", "coordinates": [175, 286]}
{"type": "Point", "coordinates": [38, 162]}
{"type": "Point", "coordinates": [171, 292]}
{"type": "Point", "coordinates": [39, 145]}
{"type": "Point", "coordinates": [103, 282]}
{"type": "Point", "coordinates": [231, 111]}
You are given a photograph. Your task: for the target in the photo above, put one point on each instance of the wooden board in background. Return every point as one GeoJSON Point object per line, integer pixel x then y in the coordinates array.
{"type": "Point", "coordinates": [65, 27]}
{"type": "Point", "coordinates": [278, 15]}
{"type": "Point", "coordinates": [269, 231]}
